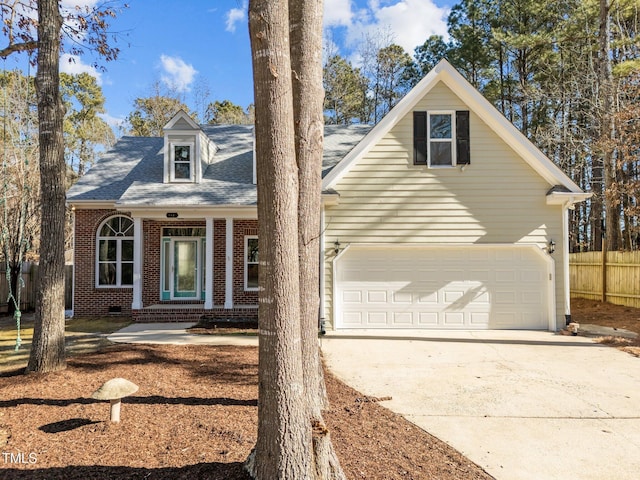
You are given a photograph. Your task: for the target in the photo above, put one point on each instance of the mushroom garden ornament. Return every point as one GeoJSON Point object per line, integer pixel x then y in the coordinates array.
{"type": "Point", "coordinates": [115, 390]}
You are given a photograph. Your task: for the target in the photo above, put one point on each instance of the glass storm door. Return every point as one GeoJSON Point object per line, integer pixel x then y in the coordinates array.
{"type": "Point", "coordinates": [185, 269]}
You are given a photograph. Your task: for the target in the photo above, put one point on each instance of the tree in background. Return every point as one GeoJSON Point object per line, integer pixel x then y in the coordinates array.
{"type": "Point", "coordinates": [226, 112]}
{"type": "Point", "coordinates": [427, 56]}
{"type": "Point", "coordinates": [20, 197]}
{"type": "Point", "coordinates": [392, 79]}
{"type": "Point", "coordinates": [626, 189]}
{"type": "Point", "coordinates": [152, 113]}
{"type": "Point", "coordinates": [84, 130]}
{"type": "Point", "coordinates": [345, 92]}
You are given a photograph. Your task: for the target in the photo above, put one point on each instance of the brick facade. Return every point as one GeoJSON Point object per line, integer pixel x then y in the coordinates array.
{"type": "Point", "coordinates": [92, 301]}
{"type": "Point", "coordinates": [87, 299]}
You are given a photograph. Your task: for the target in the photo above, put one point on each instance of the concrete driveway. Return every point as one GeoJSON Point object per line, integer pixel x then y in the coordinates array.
{"type": "Point", "coordinates": [521, 404]}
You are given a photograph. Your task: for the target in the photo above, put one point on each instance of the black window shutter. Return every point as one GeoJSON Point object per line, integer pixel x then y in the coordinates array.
{"type": "Point", "coordinates": [463, 151]}
{"type": "Point", "coordinates": [420, 138]}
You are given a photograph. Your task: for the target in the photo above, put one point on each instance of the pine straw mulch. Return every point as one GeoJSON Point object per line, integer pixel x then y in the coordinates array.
{"type": "Point", "coordinates": [586, 311]}
{"type": "Point", "coordinates": [194, 417]}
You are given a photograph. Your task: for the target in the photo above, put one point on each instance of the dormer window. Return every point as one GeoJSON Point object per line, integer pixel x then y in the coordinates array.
{"type": "Point", "coordinates": [187, 150]}
{"type": "Point", "coordinates": [182, 167]}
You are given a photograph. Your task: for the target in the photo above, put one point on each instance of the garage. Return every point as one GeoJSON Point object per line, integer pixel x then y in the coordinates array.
{"type": "Point", "coordinates": [448, 287]}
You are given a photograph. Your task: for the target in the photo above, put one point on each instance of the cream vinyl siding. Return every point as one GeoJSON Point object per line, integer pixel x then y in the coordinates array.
{"type": "Point", "coordinates": [497, 199]}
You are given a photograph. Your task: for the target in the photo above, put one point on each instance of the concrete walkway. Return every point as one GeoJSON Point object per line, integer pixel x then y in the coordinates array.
{"type": "Point", "coordinates": [175, 334]}
{"type": "Point", "coordinates": [523, 405]}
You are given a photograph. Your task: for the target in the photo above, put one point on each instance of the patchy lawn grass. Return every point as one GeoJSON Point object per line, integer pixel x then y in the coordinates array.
{"type": "Point", "coordinates": [82, 335]}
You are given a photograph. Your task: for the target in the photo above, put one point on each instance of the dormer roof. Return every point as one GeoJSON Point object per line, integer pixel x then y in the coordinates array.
{"type": "Point", "coordinates": [181, 121]}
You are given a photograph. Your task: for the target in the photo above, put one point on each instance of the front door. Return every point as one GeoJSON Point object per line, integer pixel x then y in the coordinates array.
{"type": "Point", "coordinates": [185, 269]}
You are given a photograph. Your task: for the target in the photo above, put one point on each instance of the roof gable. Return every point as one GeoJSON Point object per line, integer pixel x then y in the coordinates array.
{"type": "Point", "coordinates": [444, 72]}
{"type": "Point", "coordinates": [181, 121]}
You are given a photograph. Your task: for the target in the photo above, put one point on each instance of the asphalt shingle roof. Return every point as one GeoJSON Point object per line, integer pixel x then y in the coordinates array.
{"type": "Point", "coordinates": [131, 172]}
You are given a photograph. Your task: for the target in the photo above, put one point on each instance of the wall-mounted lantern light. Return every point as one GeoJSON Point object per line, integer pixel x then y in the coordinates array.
{"type": "Point", "coordinates": [552, 247]}
{"type": "Point", "coordinates": [336, 246]}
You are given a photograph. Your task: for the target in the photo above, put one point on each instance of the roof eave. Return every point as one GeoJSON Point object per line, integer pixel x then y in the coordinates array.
{"type": "Point", "coordinates": [568, 199]}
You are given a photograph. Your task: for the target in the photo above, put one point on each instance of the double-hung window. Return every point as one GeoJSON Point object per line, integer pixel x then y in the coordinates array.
{"type": "Point", "coordinates": [182, 168]}
{"type": "Point", "coordinates": [251, 263]}
{"type": "Point", "coordinates": [114, 256]}
{"type": "Point", "coordinates": [441, 138]}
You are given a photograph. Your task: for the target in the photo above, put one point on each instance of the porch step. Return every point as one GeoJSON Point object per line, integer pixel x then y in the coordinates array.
{"type": "Point", "coordinates": [209, 322]}
{"type": "Point", "coordinates": [195, 313]}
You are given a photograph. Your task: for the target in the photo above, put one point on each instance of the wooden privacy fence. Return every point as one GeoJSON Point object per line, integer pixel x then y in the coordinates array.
{"type": "Point", "coordinates": [31, 279]}
{"type": "Point", "coordinates": [613, 278]}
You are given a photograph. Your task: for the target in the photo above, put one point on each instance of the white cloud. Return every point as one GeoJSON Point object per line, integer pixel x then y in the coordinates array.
{"type": "Point", "coordinates": [113, 122]}
{"type": "Point", "coordinates": [177, 73]}
{"type": "Point", "coordinates": [337, 13]}
{"type": "Point", "coordinates": [408, 22]}
{"type": "Point", "coordinates": [73, 4]}
{"type": "Point", "coordinates": [235, 16]}
{"type": "Point", "coordinates": [413, 21]}
{"type": "Point", "coordinates": [73, 65]}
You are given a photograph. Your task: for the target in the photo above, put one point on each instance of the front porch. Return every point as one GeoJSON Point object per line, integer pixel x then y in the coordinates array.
{"type": "Point", "coordinates": [166, 266]}
{"type": "Point", "coordinates": [164, 312]}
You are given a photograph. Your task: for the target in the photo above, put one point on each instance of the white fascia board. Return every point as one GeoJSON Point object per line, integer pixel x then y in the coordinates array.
{"type": "Point", "coordinates": [91, 204]}
{"type": "Point", "coordinates": [193, 212]}
{"type": "Point", "coordinates": [567, 198]}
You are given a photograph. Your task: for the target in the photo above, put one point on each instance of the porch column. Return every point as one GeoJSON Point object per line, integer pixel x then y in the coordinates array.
{"type": "Point", "coordinates": [137, 264]}
{"type": "Point", "coordinates": [228, 280]}
{"type": "Point", "coordinates": [208, 258]}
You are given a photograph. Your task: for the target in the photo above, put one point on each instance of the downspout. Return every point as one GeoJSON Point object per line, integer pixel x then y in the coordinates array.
{"type": "Point", "coordinates": [565, 259]}
{"type": "Point", "coordinates": [321, 319]}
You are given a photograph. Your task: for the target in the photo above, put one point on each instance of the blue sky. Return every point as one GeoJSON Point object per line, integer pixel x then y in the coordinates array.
{"type": "Point", "coordinates": [193, 45]}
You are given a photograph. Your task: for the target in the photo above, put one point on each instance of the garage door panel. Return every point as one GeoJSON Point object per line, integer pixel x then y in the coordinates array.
{"type": "Point", "coordinates": [352, 296]}
{"type": "Point", "coordinates": [505, 276]}
{"type": "Point", "coordinates": [442, 287]}
{"type": "Point", "coordinates": [353, 319]}
{"type": "Point", "coordinates": [377, 296]}
{"type": "Point", "coordinates": [377, 318]}
{"type": "Point", "coordinates": [428, 298]}
{"type": "Point", "coordinates": [479, 318]}
{"type": "Point", "coordinates": [453, 319]}
{"type": "Point", "coordinates": [403, 319]}
{"type": "Point", "coordinates": [402, 298]}
{"type": "Point", "coordinates": [532, 298]}
{"type": "Point", "coordinates": [428, 319]}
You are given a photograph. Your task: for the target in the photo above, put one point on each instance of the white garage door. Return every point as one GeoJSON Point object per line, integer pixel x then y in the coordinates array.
{"type": "Point", "coordinates": [474, 287]}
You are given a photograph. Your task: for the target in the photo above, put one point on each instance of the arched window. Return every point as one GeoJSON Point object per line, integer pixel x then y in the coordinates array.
{"type": "Point", "coordinates": [114, 256]}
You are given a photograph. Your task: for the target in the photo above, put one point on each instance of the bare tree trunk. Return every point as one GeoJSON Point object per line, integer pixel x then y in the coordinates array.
{"type": "Point", "coordinates": [47, 349]}
{"type": "Point", "coordinates": [308, 99]}
{"type": "Point", "coordinates": [283, 447]}
{"type": "Point", "coordinates": [607, 131]}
